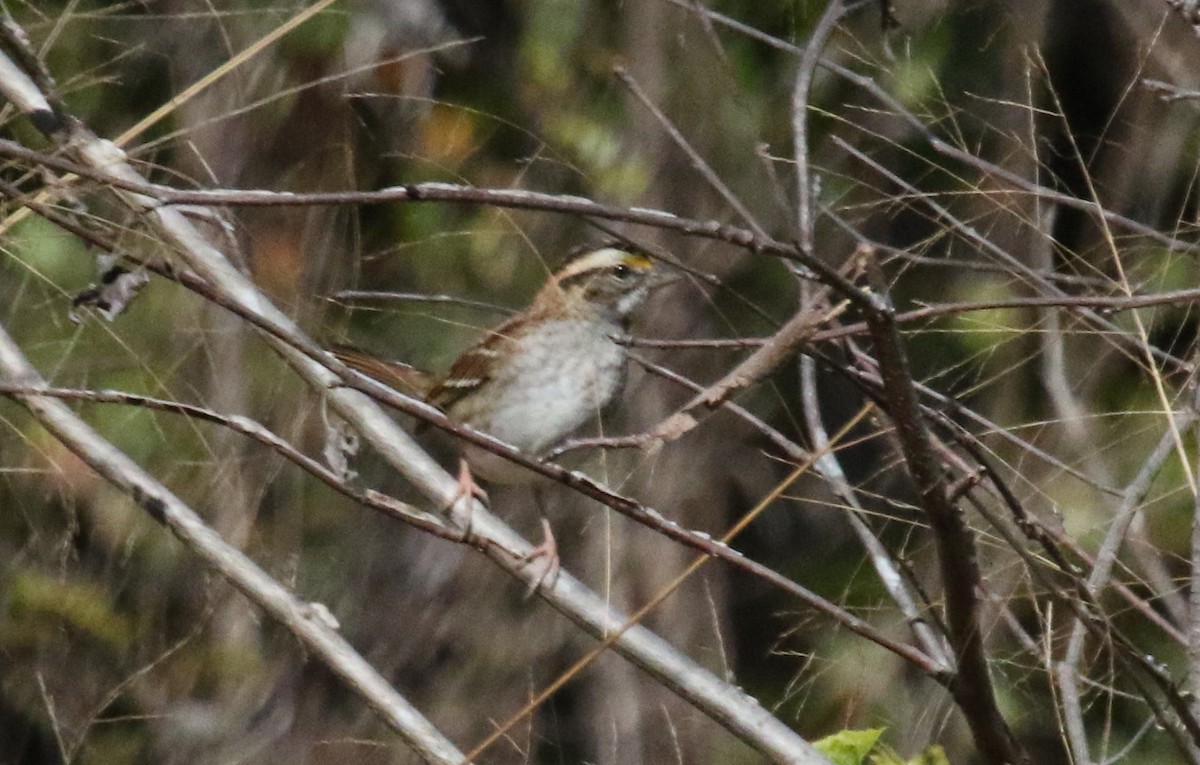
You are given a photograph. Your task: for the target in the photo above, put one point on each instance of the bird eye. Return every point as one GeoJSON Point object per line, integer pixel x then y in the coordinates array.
{"type": "Point", "coordinates": [621, 271]}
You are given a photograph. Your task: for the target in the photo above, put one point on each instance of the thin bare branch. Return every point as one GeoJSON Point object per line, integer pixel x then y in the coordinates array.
{"type": "Point", "coordinates": [918, 126]}
{"type": "Point", "coordinates": [309, 622]}
{"type": "Point", "coordinates": [729, 706]}
{"type": "Point", "coordinates": [809, 59]}
{"type": "Point", "coordinates": [830, 468]}
{"type": "Point", "coordinates": [701, 166]}
{"type": "Point", "coordinates": [428, 522]}
{"type": "Point", "coordinates": [972, 685]}
{"type": "Point", "coordinates": [151, 197]}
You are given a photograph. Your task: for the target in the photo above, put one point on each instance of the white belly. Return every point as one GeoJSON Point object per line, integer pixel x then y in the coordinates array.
{"type": "Point", "coordinates": [560, 378]}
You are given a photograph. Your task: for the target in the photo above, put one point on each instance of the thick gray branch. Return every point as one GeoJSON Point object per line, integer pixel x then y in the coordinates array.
{"type": "Point", "coordinates": [308, 622]}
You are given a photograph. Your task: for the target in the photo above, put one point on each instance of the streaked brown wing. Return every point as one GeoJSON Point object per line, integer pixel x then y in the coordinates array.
{"type": "Point", "coordinates": [469, 371]}
{"type": "Point", "coordinates": [403, 377]}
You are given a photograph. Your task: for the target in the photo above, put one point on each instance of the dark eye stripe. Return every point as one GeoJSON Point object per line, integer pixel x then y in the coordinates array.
{"type": "Point", "coordinates": [574, 279]}
{"type": "Point", "coordinates": [620, 271]}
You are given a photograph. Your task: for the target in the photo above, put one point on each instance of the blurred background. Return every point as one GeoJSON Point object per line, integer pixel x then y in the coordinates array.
{"type": "Point", "coordinates": [116, 647]}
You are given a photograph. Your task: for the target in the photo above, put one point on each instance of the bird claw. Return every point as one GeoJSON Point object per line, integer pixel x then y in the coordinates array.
{"type": "Point", "coordinates": [548, 550]}
{"type": "Point", "coordinates": [465, 486]}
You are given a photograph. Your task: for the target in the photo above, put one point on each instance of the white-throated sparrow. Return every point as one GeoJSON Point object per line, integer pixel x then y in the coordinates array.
{"type": "Point", "coordinates": [544, 373]}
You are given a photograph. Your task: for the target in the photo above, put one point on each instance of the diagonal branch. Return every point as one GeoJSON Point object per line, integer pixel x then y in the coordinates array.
{"type": "Point", "coordinates": [917, 125]}
{"type": "Point", "coordinates": [961, 578]}
{"type": "Point", "coordinates": [153, 198]}
{"type": "Point", "coordinates": [729, 706]}
{"type": "Point", "coordinates": [309, 622]}
{"type": "Point", "coordinates": [574, 480]}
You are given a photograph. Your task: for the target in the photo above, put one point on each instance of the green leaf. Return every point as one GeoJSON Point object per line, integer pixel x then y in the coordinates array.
{"type": "Point", "coordinates": [934, 755]}
{"type": "Point", "coordinates": [885, 755]}
{"type": "Point", "coordinates": [849, 747]}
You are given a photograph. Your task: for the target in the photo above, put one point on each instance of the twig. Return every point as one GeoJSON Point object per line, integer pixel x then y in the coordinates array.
{"type": "Point", "coordinates": [415, 297]}
{"type": "Point", "coordinates": [792, 450]}
{"type": "Point", "coordinates": [867, 372]}
{"type": "Point", "coordinates": [731, 707]}
{"type": "Point", "coordinates": [662, 594]}
{"type": "Point", "coordinates": [512, 553]}
{"type": "Point", "coordinates": [764, 361]}
{"type": "Point", "coordinates": [1168, 92]}
{"type": "Point", "coordinates": [153, 197]}
{"type": "Point", "coordinates": [1108, 304]}
{"type": "Point", "coordinates": [1068, 666]}
{"type": "Point", "coordinates": [1017, 266]}
{"type": "Point", "coordinates": [698, 162]}
{"type": "Point", "coordinates": [869, 85]}
{"type": "Point", "coordinates": [651, 519]}
{"type": "Point", "coordinates": [307, 621]}
{"type": "Point", "coordinates": [428, 522]}
{"type": "Point", "coordinates": [799, 108]}
{"type": "Point", "coordinates": [1048, 537]}
{"type": "Point", "coordinates": [1189, 10]}
{"type": "Point", "coordinates": [1143, 335]}
{"type": "Point", "coordinates": [1089, 611]}
{"type": "Point", "coordinates": [1193, 620]}
{"type": "Point", "coordinates": [830, 468]}
{"type": "Point", "coordinates": [972, 686]}
{"type": "Point", "coordinates": [52, 713]}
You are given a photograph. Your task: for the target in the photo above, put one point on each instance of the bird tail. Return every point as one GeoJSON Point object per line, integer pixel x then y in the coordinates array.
{"type": "Point", "coordinates": [403, 377]}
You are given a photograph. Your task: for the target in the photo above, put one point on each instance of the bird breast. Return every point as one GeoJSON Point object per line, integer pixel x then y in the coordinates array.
{"type": "Point", "coordinates": [561, 375]}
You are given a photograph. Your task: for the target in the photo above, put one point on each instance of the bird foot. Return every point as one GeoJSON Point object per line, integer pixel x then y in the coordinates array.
{"type": "Point", "coordinates": [465, 488]}
{"type": "Point", "coordinates": [548, 551]}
